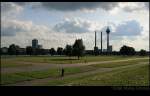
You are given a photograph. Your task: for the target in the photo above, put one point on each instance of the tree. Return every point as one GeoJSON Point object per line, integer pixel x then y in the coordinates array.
{"type": "Point", "coordinates": [29, 50]}
{"type": "Point", "coordinates": [126, 50]}
{"type": "Point", "coordinates": [68, 50]}
{"type": "Point", "coordinates": [131, 51]}
{"type": "Point", "coordinates": [52, 51]}
{"type": "Point", "coordinates": [78, 48]}
{"type": "Point", "coordinates": [13, 49]}
{"type": "Point", "coordinates": [59, 51]}
{"type": "Point", "coordinates": [142, 52]}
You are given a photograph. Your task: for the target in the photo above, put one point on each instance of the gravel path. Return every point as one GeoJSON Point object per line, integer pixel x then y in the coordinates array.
{"type": "Point", "coordinates": [44, 66]}
{"type": "Point", "coordinates": [99, 70]}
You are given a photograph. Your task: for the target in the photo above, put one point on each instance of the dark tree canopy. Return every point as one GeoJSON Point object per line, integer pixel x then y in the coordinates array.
{"type": "Point", "coordinates": [142, 52]}
{"type": "Point", "coordinates": [68, 50]}
{"type": "Point", "coordinates": [13, 49]}
{"type": "Point", "coordinates": [78, 48]}
{"type": "Point", "coordinates": [126, 50]}
{"type": "Point", "coordinates": [59, 50]}
{"type": "Point", "coordinates": [52, 51]}
{"type": "Point", "coordinates": [29, 50]}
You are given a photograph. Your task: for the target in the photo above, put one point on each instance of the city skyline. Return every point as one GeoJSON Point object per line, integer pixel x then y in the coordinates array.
{"type": "Point", "coordinates": [57, 24]}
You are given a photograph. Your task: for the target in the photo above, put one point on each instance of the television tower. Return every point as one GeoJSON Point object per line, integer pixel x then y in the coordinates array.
{"type": "Point", "coordinates": [107, 31]}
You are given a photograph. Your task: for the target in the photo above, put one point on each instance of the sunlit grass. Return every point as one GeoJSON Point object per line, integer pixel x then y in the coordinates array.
{"type": "Point", "coordinates": [137, 76]}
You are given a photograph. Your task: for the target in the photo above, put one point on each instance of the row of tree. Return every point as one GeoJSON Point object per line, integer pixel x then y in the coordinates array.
{"type": "Point", "coordinates": [126, 50]}
{"type": "Point", "coordinates": [13, 49]}
{"type": "Point", "coordinates": [77, 49]}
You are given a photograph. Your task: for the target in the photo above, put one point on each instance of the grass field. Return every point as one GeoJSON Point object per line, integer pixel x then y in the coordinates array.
{"type": "Point", "coordinates": [23, 76]}
{"type": "Point", "coordinates": [13, 61]}
{"type": "Point", "coordinates": [137, 75]}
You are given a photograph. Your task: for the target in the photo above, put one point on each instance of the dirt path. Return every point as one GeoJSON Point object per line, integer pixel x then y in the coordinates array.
{"type": "Point", "coordinates": [44, 66]}
{"type": "Point", "coordinates": [99, 70]}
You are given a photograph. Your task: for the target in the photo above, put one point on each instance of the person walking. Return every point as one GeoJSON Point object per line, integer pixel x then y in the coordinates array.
{"type": "Point", "coordinates": [62, 72]}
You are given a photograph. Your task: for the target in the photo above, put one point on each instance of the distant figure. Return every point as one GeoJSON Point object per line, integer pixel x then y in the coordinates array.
{"type": "Point", "coordinates": [62, 72]}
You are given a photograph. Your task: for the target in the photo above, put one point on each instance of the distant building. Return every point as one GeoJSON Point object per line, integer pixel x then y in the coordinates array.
{"type": "Point", "coordinates": [90, 52]}
{"type": "Point", "coordinates": [104, 50]}
{"type": "Point", "coordinates": [40, 46]}
{"type": "Point", "coordinates": [34, 43]}
{"type": "Point", "coordinates": [22, 51]}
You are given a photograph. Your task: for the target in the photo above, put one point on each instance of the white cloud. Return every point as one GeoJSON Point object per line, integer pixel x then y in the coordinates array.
{"type": "Point", "coordinates": [128, 28]}
{"type": "Point", "coordinates": [10, 9]}
{"type": "Point", "coordinates": [75, 25]}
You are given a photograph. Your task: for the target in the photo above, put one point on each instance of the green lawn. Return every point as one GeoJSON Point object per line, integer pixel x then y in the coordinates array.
{"type": "Point", "coordinates": [117, 64]}
{"type": "Point", "coordinates": [9, 78]}
{"type": "Point", "coordinates": [13, 61]}
{"type": "Point", "coordinates": [5, 63]}
{"type": "Point", "coordinates": [137, 76]}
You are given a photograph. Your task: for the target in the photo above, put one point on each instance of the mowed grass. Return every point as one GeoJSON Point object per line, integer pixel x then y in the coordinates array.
{"type": "Point", "coordinates": [117, 64]}
{"type": "Point", "coordinates": [134, 76]}
{"type": "Point", "coordinates": [5, 63]}
{"type": "Point", "coordinates": [109, 78]}
{"type": "Point", "coordinates": [10, 78]}
{"type": "Point", "coordinates": [14, 61]}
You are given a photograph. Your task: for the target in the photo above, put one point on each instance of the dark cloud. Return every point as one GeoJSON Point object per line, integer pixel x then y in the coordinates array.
{"type": "Point", "coordinates": [146, 5]}
{"type": "Point", "coordinates": [21, 3]}
{"type": "Point", "coordinates": [128, 28]}
{"type": "Point", "coordinates": [130, 9]}
{"type": "Point", "coordinates": [73, 26]}
{"type": "Point", "coordinates": [72, 6]}
{"type": "Point", "coordinates": [140, 6]}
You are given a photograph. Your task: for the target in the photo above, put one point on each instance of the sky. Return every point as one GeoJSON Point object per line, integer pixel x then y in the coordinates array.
{"type": "Point", "coordinates": [56, 24]}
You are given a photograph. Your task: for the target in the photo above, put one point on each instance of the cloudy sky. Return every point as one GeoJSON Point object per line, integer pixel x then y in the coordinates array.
{"type": "Point", "coordinates": [56, 24]}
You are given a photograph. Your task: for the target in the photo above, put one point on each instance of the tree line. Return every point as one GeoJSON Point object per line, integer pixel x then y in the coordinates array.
{"type": "Point", "coordinates": [77, 49]}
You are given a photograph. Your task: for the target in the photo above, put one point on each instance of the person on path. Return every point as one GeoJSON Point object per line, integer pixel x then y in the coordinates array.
{"type": "Point", "coordinates": [62, 72]}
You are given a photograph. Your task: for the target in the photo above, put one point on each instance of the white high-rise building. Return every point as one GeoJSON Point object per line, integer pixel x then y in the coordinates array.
{"type": "Point", "coordinates": [34, 43]}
